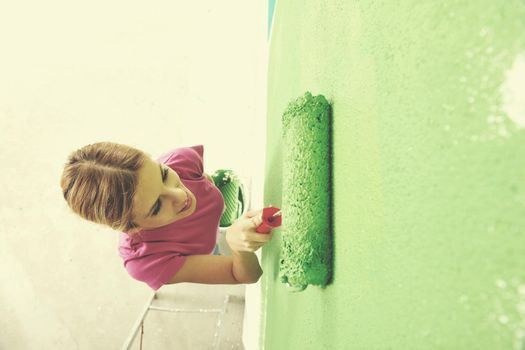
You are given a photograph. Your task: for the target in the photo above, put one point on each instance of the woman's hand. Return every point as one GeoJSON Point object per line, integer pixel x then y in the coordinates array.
{"type": "Point", "coordinates": [241, 235]}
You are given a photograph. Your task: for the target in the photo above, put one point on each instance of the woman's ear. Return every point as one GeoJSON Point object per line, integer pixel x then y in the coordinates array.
{"type": "Point", "coordinates": [134, 230]}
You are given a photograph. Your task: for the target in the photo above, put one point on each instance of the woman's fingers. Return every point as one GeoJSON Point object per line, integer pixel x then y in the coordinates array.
{"type": "Point", "coordinates": [256, 220]}
{"type": "Point", "coordinates": [251, 219]}
{"type": "Point", "coordinates": [242, 235]}
{"type": "Point", "coordinates": [259, 237]}
{"type": "Point", "coordinates": [252, 213]}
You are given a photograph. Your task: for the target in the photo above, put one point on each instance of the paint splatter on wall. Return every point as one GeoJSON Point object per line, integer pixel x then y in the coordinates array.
{"type": "Point", "coordinates": [513, 92]}
{"type": "Point", "coordinates": [508, 316]}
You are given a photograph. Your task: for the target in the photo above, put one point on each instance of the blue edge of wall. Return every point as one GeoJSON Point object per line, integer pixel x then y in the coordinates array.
{"type": "Point", "coordinates": [271, 7]}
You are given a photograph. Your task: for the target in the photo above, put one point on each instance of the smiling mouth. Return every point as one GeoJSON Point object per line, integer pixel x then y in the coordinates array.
{"type": "Point", "coordinates": [187, 204]}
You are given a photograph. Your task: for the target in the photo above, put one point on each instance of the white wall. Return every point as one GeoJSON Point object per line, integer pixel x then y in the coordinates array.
{"type": "Point", "coordinates": [154, 75]}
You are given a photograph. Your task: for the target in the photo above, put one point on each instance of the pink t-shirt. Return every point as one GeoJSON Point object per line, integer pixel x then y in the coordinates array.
{"type": "Point", "coordinates": [154, 256]}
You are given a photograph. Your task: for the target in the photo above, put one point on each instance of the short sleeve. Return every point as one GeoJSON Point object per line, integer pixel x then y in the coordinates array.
{"type": "Point", "coordinates": [155, 269]}
{"type": "Point", "coordinates": [187, 161]}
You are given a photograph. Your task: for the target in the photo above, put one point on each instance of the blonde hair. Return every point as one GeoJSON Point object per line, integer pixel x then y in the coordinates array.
{"type": "Point", "coordinates": [99, 182]}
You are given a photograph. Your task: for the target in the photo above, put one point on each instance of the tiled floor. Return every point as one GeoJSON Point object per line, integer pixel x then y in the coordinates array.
{"type": "Point", "coordinates": [200, 328]}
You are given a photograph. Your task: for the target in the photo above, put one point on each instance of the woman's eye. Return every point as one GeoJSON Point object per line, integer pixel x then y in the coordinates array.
{"type": "Point", "coordinates": [156, 210]}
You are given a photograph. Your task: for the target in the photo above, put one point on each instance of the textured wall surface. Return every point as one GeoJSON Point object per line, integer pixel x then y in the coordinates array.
{"type": "Point", "coordinates": [429, 185]}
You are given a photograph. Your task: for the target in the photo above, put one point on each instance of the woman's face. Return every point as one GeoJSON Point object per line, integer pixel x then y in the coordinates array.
{"type": "Point", "coordinates": [161, 198]}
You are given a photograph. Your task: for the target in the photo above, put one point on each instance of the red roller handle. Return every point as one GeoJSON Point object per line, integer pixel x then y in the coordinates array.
{"type": "Point", "coordinates": [269, 221]}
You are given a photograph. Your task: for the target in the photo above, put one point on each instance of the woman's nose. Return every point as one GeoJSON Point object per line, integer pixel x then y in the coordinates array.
{"type": "Point", "coordinates": [176, 194]}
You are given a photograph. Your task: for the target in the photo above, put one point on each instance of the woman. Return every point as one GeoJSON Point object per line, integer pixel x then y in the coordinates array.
{"type": "Point", "coordinates": [168, 212]}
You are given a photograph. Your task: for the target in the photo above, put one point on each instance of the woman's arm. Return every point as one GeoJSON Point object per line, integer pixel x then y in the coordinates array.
{"type": "Point", "coordinates": [246, 267]}
{"type": "Point", "coordinates": [242, 267]}
{"type": "Point", "coordinates": [243, 242]}
{"type": "Point", "coordinates": [212, 269]}
{"type": "Point", "coordinates": [207, 269]}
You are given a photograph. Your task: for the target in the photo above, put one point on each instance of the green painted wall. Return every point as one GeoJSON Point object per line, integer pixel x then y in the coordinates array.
{"type": "Point", "coordinates": [429, 185]}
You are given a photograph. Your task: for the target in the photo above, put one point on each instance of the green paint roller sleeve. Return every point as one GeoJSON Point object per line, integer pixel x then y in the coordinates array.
{"type": "Point", "coordinates": [306, 254]}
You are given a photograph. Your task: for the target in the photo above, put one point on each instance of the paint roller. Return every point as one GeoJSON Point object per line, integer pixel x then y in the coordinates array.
{"type": "Point", "coordinates": [306, 252]}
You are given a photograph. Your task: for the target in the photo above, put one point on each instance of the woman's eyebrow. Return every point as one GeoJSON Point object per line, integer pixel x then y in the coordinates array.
{"type": "Point", "coordinates": [154, 204]}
